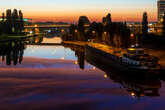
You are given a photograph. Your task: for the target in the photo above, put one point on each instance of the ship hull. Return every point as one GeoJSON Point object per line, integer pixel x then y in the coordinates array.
{"type": "Point", "coordinates": [114, 61]}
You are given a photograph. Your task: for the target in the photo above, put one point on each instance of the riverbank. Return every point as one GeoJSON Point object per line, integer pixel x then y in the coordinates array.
{"type": "Point", "coordinates": [78, 43]}
{"type": "Point", "coordinates": [6, 38]}
{"type": "Point", "coordinates": [108, 49]}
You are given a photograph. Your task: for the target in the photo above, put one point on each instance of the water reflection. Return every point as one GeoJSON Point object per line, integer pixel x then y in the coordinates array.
{"type": "Point", "coordinates": [81, 58]}
{"type": "Point", "coordinates": [12, 52]}
{"type": "Point", "coordinates": [138, 85]}
{"type": "Point", "coordinates": [79, 53]}
{"type": "Point", "coordinates": [35, 40]}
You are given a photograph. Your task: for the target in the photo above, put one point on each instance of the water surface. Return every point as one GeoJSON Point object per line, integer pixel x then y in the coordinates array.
{"type": "Point", "coordinates": [59, 77]}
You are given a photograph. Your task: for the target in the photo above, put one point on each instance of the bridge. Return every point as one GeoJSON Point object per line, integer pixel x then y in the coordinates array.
{"type": "Point", "coordinates": [49, 26]}
{"type": "Point", "coordinates": [57, 29]}
{"type": "Point", "coordinates": [53, 29]}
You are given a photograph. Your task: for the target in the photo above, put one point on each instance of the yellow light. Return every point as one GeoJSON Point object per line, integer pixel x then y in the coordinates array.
{"type": "Point", "coordinates": [132, 35]}
{"type": "Point", "coordinates": [105, 32]}
{"type": "Point", "coordinates": [94, 68]}
{"type": "Point", "coordinates": [132, 94]}
{"type": "Point", "coordinates": [62, 30]}
{"type": "Point", "coordinates": [131, 49]}
{"type": "Point", "coordinates": [76, 30]}
{"type": "Point", "coordinates": [105, 76]}
{"type": "Point", "coordinates": [161, 20]}
{"type": "Point", "coordinates": [93, 32]}
{"type": "Point", "coordinates": [35, 25]}
{"type": "Point", "coordinates": [75, 62]}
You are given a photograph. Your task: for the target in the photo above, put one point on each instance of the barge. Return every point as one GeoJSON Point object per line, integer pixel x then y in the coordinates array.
{"type": "Point", "coordinates": [125, 60]}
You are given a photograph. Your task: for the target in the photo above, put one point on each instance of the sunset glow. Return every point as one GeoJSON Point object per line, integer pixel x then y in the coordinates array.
{"type": "Point", "coordinates": [70, 10]}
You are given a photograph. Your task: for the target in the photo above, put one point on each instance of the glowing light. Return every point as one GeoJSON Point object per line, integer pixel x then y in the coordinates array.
{"type": "Point", "coordinates": [76, 30]}
{"type": "Point", "coordinates": [62, 58]}
{"type": "Point", "coordinates": [62, 30]}
{"type": "Point", "coordinates": [105, 32]}
{"type": "Point", "coordinates": [105, 76]}
{"type": "Point", "coordinates": [35, 25]}
{"type": "Point", "coordinates": [75, 62]}
{"type": "Point", "coordinates": [93, 32]}
{"type": "Point", "coordinates": [132, 35]}
{"type": "Point", "coordinates": [94, 68]}
{"type": "Point", "coordinates": [137, 45]}
{"type": "Point", "coordinates": [131, 49]}
{"type": "Point", "coordinates": [31, 32]}
{"type": "Point", "coordinates": [132, 94]}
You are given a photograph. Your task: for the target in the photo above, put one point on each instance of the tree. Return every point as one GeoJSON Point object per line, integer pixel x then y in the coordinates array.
{"type": "Point", "coordinates": [93, 30]}
{"type": "Point", "coordinates": [12, 23]}
{"type": "Point", "coordinates": [145, 23]}
{"type": "Point", "coordinates": [3, 17]}
{"type": "Point", "coordinates": [21, 21]}
{"type": "Point", "coordinates": [73, 32]}
{"type": "Point", "coordinates": [8, 27]}
{"type": "Point", "coordinates": [15, 21]}
{"type": "Point", "coordinates": [108, 19]}
{"type": "Point", "coordinates": [83, 20]}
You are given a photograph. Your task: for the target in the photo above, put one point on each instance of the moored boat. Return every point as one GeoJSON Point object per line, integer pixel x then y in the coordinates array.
{"type": "Point", "coordinates": [130, 60]}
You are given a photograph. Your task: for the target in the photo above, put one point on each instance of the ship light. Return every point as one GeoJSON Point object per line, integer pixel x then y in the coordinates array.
{"type": "Point", "coordinates": [131, 49]}
{"type": "Point", "coordinates": [132, 46]}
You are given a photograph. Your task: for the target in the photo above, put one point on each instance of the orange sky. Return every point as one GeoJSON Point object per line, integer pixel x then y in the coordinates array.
{"type": "Point", "coordinates": [73, 17]}
{"type": "Point", "coordinates": [70, 10]}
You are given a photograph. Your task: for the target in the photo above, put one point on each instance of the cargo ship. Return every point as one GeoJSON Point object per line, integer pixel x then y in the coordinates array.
{"type": "Point", "coordinates": [132, 59]}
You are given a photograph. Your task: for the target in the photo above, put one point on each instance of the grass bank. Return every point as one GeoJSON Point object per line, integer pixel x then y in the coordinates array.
{"type": "Point", "coordinates": [5, 37]}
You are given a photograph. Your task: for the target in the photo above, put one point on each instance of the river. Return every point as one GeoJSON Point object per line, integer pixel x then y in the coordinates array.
{"type": "Point", "coordinates": [59, 77]}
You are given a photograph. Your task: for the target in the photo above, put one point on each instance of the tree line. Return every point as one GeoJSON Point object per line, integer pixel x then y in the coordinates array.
{"type": "Point", "coordinates": [112, 33]}
{"type": "Point", "coordinates": [149, 39]}
{"type": "Point", "coordinates": [107, 32]}
{"type": "Point", "coordinates": [145, 24]}
{"type": "Point", "coordinates": [12, 22]}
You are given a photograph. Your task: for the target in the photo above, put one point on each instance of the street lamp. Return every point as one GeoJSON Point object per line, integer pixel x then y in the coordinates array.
{"type": "Point", "coordinates": [93, 32]}
{"type": "Point", "coordinates": [105, 33]}
{"type": "Point", "coordinates": [35, 25]}
{"type": "Point", "coordinates": [75, 30]}
{"type": "Point", "coordinates": [132, 35]}
{"type": "Point", "coordinates": [62, 30]}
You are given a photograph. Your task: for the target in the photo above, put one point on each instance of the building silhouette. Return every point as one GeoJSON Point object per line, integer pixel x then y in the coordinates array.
{"type": "Point", "coordinates": [84, 20]}
{"type": "Point", "coordinates": [107, 20]}
{"type": "Point", "coordinates": [161, 10]}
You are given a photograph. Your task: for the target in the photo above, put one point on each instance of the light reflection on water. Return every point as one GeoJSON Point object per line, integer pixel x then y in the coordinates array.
{"type": "Point", "coordinates": [50, 74]}
{"type": "Point", "coordinates": [52, 52]}
{"type": "Point", "coordinates": [49, 51]}
{"type": "Point", "coordinates": [52, 40]}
